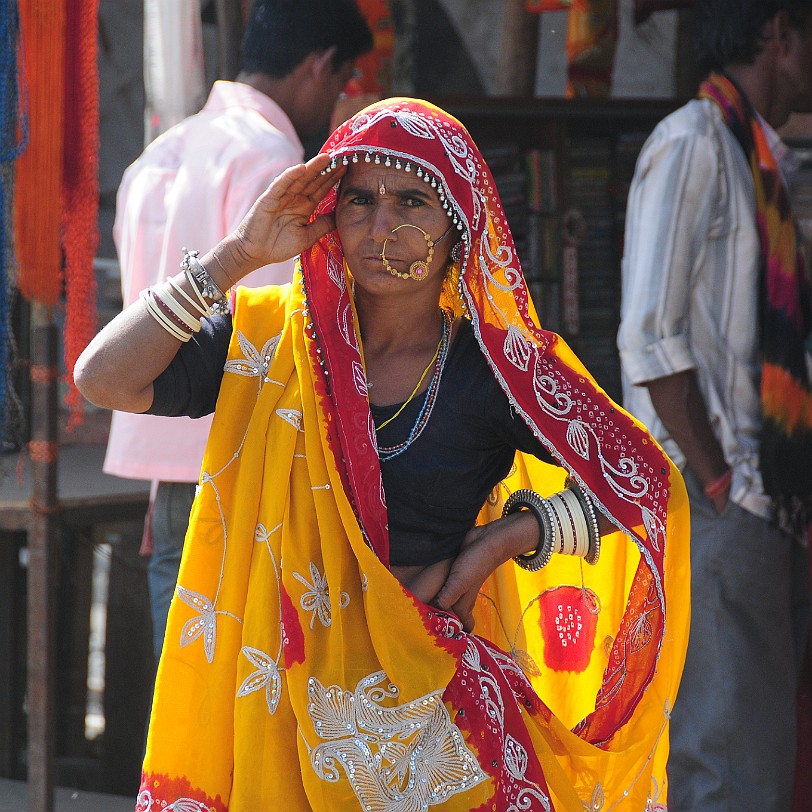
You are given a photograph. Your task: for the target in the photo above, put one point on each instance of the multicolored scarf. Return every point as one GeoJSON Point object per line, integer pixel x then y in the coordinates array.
{"type": "Point", "coordinates": [785, 318]}
{"type": "Point", "coordinates": [297, 669]}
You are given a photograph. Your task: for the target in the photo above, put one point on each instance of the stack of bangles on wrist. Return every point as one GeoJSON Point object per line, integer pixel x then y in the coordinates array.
{"type": "Point", "coordinates": [719, 485]}
{"type": "Point", "coordinates": [178, 312]}
{"type": "Point", "coordinates": [567, 522]}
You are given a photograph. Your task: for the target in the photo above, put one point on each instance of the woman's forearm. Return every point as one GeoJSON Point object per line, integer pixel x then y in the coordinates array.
{"type": "Point", "coordinates": [117, 368]}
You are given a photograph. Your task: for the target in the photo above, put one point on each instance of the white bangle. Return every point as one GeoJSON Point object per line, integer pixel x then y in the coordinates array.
{"type": "Point", "coordinates": [164, 293]}
{"type": "Point", "coordinates": [162, 318]}
{"type": "Point", "coordinates": [567, 523]}
{"type": "Point", "coordinates": [593, 529]}
{"type": "Point", "coordinates": [200, 307]}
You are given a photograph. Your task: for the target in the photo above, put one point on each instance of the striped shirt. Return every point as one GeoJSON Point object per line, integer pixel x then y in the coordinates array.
{"type": "Point", "coordinates": [691, 285]}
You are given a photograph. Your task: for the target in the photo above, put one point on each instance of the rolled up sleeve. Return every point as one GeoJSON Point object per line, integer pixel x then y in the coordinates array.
{"type": "Point", "coordinates": [668, 221]}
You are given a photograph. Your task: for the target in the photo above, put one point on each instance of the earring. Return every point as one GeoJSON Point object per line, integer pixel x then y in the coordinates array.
{"type": "Point", "coordinates": [456, 252]}
{"type": "Point", "coordinates": [419, 269]}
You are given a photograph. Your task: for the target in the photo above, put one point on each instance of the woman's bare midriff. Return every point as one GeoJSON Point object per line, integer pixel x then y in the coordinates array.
{"type": "Point", "coordinates": [424, 582]}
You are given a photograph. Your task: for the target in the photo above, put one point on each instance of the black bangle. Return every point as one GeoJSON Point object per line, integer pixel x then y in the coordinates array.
{"type": "Point", "coordinates": [530, 500]}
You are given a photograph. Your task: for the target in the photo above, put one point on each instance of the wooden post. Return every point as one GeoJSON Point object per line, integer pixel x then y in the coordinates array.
{"type": "Point", "coordinates": [518, 51]}
{"type": "Point", "coordinates": [42, 561]}
{"type": "Point", "coordinates": [229, 37]}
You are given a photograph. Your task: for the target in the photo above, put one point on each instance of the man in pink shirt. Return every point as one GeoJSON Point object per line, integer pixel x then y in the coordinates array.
{"type": "Point", "coordinates": [190, 188]}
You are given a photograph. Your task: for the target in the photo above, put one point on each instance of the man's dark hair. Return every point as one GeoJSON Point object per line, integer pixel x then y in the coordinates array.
{"type": "Point", "coordinates": [281, 34]}
{"type": "Point", "coordinates": [730, 31]}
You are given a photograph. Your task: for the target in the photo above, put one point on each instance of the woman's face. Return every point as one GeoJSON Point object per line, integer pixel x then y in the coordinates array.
{"type": "Point", "coordinates": [373, 200]}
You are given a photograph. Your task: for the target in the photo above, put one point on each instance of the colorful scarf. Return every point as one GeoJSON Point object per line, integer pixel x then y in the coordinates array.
{"type": "Point", "coordinates": [785, 318]}
{"type": "Point", "coordinates": [297, 669]}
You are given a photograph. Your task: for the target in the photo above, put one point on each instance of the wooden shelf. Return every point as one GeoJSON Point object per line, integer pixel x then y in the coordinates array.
{"type": "Point", "coordinates": [592, 146]}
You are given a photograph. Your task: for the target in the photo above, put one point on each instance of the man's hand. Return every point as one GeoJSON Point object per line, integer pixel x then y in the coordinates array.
{"type": "Point", "coordinates": [678, 402]}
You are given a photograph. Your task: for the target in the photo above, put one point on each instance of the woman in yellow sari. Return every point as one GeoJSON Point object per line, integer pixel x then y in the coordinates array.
{"type": "Point", "coordinates": [343, 635]}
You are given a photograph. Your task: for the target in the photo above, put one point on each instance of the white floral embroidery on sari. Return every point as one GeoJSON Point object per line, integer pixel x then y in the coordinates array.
{"type": "Point", "coordinates": [317, 597]}
{"type": "Point", "coordinates": [203, 624]}
{"type": "Point", "coordinates": [256, 363]}
{"type": "Point", "coordinates": [266, 676]}
{"type": "Point", "coordinates": [401, 758]}
{"type": "Point", "coordinates": [292, 416]}
{"type": "Point", "coordinates": [146, 802]}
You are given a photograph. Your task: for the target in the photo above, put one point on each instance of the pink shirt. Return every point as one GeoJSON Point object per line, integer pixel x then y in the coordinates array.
{"type": "Point", "coordinates": [190, 188]}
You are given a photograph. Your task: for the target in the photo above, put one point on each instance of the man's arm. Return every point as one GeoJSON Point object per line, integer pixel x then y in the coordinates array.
{"type": "Point", "coordinates": [681, 407]}
{"type": "Point", "coordinates": [670, 212]}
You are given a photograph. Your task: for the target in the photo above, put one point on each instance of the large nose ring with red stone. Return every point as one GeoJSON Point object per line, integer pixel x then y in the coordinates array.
{"type": "Point", "coordinates": [419, 269]}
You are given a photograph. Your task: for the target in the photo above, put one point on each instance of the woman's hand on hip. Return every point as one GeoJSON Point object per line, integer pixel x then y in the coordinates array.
{"type": "Point", "coordinates": [485, 548]}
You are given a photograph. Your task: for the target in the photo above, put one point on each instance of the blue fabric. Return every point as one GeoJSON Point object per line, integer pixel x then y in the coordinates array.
{"type": "Point", "coordinates": [13, 139]}
{"type": "Point", "coordinates": [170, 518]}
{"type": "Point", "coordinates": [733, 728]}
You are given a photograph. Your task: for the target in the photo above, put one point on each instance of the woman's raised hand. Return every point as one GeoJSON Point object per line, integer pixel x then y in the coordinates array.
{"type": "Point", "coordinates": [276, 228]}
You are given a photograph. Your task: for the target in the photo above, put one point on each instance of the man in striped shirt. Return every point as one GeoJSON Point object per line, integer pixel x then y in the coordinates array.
{"type": "Point", "coordinates": [691, 353]}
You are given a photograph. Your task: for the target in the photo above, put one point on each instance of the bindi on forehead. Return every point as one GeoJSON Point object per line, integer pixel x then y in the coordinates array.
{"type": "Point", "coordinates": [374, 177]}
{"type": "Point", "coordinates": [378, 182]}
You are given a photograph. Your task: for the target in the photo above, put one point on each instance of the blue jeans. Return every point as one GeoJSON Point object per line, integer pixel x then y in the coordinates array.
{"type": "Point", "coordinates": [733, 727]}
{"type": "Point", "coordinates": [170, 518]}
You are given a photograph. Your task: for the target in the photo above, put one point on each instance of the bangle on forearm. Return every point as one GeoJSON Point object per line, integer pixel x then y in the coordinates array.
{"type": "Point", "coordinates": [593, 530]}
{"type": "Point", "coordinates": [719, 485]}
{"type": "Point", "coordinates": [164, 296]}
{"type": "Point", "coordinates": [567, 521]}
{"type": "Point", "coordinates": [164, 319]}
{"type": "Point", "coordinates": [202, 281]}
{"type": "Point", "coordinates": [200, 306]}
{"type": "Point", "coordinates": [525, 499]}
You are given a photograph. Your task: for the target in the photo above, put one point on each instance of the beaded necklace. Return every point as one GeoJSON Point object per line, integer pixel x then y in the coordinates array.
{"type": "Point", "coordinates": [408, 400]}
{"type": "Point", "coordinates": [386, 453]}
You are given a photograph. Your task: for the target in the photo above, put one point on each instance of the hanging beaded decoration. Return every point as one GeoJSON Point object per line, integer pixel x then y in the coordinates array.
{"type": "Point", "coordinates": [13, 140]}
{"type": "Point", "coordinates": [386, 453]}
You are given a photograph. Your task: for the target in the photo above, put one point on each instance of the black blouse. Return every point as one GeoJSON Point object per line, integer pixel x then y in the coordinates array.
{"type": "Point", "coordinates": [435, 489]}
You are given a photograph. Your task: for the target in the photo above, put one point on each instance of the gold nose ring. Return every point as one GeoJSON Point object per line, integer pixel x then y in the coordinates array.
{"type": "Point", "coordinates": [419, 269]}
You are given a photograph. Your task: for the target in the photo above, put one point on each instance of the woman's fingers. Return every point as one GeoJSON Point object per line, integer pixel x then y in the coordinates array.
{"type": "Point", "coordinates": [303, 187]}
{"type": "Point", "coordinates": [318, 228]}
{"type": "Point", "coordinates": [277, 228]}
{"type": "Point", "coordinates": [464, 610]}
{"type": "Point", "coordinates": [466, 578]}
{"type": "Point", "coordinates": [321, 184]}
{"type": "Point", "coordinates": [451, 592]}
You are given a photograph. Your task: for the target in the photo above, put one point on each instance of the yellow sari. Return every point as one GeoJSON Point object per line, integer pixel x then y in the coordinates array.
{"type": "Point", "coordinates": [298, 671]}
